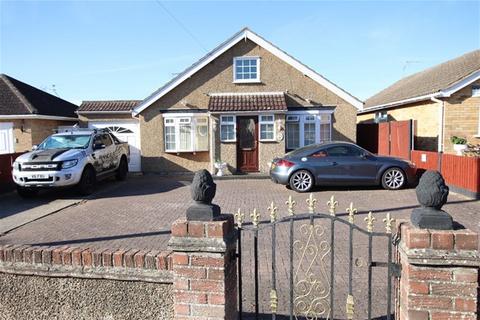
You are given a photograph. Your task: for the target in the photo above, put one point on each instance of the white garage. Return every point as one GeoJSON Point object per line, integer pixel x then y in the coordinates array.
{"type": "Point", "coordinates": [127, 130]}
{"type": "Point", "coordinates": [6, 137]}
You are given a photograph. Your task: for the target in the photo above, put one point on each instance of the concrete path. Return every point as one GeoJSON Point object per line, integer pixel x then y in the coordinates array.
{"type": "Point", "coordinates": [16, 211]}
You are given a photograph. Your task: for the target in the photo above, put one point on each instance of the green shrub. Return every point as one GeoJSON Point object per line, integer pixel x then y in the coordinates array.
{"type": "Point", "coordinates": [458, 140]}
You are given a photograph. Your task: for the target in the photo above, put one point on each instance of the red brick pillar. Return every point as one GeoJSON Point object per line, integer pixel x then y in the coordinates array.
{"type": "Point", "coordinates": [204, 269]}
{"type": "Point", "coordinates": [439, 279]}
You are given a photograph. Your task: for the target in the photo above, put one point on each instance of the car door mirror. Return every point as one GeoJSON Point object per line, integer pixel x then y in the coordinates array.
{"type": "Point", "coordinates": [34, 147]}
{"type": "Point", "coordinates": [98, 146]}
{"type": "Point", "coordinates": [364, 156]}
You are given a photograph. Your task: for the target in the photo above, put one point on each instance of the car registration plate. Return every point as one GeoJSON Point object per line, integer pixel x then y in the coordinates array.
{"type": "Point", "coordinates": [38, 176]}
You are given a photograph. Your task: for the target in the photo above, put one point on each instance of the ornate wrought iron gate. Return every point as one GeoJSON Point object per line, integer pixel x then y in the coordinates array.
{"type": "Point", "coordinates": [311, 242]}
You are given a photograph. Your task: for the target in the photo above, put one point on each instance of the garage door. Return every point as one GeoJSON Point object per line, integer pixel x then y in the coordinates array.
{"type": "Point", "coordinates": [126, 131]}
{"type": "Point", "coordinates": [6, 137]}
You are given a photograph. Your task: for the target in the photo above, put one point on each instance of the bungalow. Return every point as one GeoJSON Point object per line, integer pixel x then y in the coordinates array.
{"type": "Point", "coordinates": [243, 103]}
{"type": "Point", "coordinates": [28, 115]}
{"type": "Point", "coordinates": [443, 101]}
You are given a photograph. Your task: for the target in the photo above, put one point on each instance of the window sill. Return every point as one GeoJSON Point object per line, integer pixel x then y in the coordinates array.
{"type": "Point", "coordinates": [246, 81]}
{"type": "Point", "coordinates": [184, 151]}
{"type": "Point", "coordinates": [267, 140]}
{"type": "Point", "coordinates": [228, 141]}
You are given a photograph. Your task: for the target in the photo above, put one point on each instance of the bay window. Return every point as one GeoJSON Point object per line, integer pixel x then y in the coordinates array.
{"type": "Point", "coordinates": [304, 129]}
{"type": "Point", "coordinates": [267, 128]}
{"type": "Point", "coordinates": [186, 134]}
{"type": "Point", "coordinates": [228, 128]}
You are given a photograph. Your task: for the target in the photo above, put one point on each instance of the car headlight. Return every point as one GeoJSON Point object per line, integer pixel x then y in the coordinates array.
{"type": "Point", "coordinates": [69, 163]}
{"type": "Point", "coordinates": [16, 165]}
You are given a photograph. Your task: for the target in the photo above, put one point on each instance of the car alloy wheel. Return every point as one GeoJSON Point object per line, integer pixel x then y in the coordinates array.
{"type": "Point", "coordinates": [393, 179]}
{"type": "Point", "coordinates": [301, 181]}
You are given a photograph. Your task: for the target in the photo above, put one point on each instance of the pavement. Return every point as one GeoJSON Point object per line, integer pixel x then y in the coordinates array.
{"type": "Point", "coordinates": [138, 214]}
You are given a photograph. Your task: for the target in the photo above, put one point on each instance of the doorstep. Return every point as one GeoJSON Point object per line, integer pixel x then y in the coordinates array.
{"type": "Point", "coordinates": [238, 176]}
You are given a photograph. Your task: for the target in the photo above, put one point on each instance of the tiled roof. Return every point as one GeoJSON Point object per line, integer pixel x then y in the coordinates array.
{"type": "Point", "coordinates": [274, 101]}
{"type": "Point", "coordinates": [18, 98]}
{"type": "Point", "coordinates": [429, 81]}
{"type": "Point", "coordinates": [108, 105]}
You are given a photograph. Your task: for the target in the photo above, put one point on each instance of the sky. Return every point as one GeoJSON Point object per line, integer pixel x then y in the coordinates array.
{"type": "Point", "coordinates": [94, 50]}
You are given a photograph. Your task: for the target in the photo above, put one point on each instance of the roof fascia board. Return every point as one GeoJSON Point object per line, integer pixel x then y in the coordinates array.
{"type": "Point", "coordinates": [261, 93]}
{"type": "Point", "coordinates": [304, 69]}
{"type": "Point", "coordinates": [243, 35]}
{"type": "Point", "coordinates": [35, 116]}
{"type": "Point", "coordinates": [398, 103]}
{"type": "Point", "coordinates": [247, 113]}
{"type": "Point", "coordinates": [447, 92]}
{"type": "Point", "coordinates": [189, 72]}
{"type": "Point", "coordinates": [103, 112]}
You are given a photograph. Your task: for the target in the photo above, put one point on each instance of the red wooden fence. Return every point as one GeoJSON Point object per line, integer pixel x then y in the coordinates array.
{"type": "Point", "coordinates": [6, 161]}
{"type": "Point", "coordinates": [463, 172]}
{"type": "Point", "coordinates": [392, 138]}
{"type": "Point", "coordinates": [458, 171]}
{"type": "Point", "coordinates": [400, 138]}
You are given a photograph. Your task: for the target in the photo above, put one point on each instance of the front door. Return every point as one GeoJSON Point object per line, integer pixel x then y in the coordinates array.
{"type": "Point", "coordinates": [247, 144]}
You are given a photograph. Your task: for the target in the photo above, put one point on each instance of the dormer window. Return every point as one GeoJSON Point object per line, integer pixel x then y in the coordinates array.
{"type": "Point", "coordinates": [246, 69]}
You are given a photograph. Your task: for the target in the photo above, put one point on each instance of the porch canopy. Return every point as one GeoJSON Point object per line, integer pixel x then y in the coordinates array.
{"type": "Point", "coordinates": [256, 101]}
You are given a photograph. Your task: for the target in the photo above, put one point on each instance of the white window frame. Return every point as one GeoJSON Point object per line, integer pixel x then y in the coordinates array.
{"type": "Point", "coordinates": [224, 122]}
{"type": "Point", "coordinates": [177, 120]}
{"type": "Point", "coordinates": [320, 118]}
{"type": "Point", "coordinates": [476, 91]}
{"type": "Point", "coordinates": [272, 122]}
{"type": "Point", "coordinates": [235, 80]}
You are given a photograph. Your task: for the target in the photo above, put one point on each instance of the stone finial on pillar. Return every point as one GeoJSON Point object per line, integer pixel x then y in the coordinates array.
{"type": "Point", "coordinates": [203, 191]}
{"type": "Point", "coordinates": [204, 258]}
{"type": "Point", "coordinates": [432, 194]}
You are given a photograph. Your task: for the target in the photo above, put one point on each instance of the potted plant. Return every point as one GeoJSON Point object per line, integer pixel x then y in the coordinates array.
{"type": "Point", "coordinates": [220, 166]}
{"type": "Point", "coordinates": [459, 144]}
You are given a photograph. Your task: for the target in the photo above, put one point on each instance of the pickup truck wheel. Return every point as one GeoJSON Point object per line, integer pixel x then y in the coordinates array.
{"type": "Point", "coordinates": [87, 181]}
{"type": "Point", "coordinates": [26, 192]}
{"type": "Point", "coordinates": [122, 170]}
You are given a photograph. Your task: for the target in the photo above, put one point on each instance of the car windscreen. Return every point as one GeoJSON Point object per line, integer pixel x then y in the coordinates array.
{"type": "Point", "coordinates": [65, 142]}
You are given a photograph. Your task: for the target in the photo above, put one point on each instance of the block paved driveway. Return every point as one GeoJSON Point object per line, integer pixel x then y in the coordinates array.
{"type": "Point", "coordinates": [138, 214]}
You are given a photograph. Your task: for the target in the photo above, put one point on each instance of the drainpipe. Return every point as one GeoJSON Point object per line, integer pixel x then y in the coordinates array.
{"type": "Point", "coordinates": [441, 123]}
{"type": "Point", "coordinates": [212, 129]}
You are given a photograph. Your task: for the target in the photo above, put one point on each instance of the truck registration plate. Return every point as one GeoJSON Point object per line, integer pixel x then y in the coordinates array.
{"type": "Point", "coordinates": [38, 176]}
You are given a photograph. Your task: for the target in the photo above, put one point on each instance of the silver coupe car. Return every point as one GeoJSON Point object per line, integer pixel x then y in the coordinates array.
{"type": "Point", "coordinates": [340, 163]}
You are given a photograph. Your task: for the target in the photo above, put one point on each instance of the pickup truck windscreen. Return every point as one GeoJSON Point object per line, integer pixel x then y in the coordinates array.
{"type": "Point", "coordinates": [65, 142]}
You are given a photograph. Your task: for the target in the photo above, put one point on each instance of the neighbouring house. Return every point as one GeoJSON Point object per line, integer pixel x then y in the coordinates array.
{"type": "Point", "coordinates": [243, 103]}
{"type": "Point", "coordinates": [115, 116]}
{"type": "Point", "coordinates": [443, 101]}
{"type": "Point", "coordinates": [28, 115]}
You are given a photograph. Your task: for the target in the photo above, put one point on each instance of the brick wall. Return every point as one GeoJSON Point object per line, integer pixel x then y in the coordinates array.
{"type": "Point", "coordinates": [439, 277]}
{"type": "Point", "coordinates": [29, 132]}
{"type": "Point", "coordinates": [204, 269]}
{"type": "Point", "coordinates": [84, 283]}
{"type": "Point", "coordinates": [462, 117]}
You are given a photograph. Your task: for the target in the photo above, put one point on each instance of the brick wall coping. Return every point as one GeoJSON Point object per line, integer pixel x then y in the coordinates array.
{"type": "Point", "coordinates": [115, 264]}
{"type": "Point", "coordinates": [439, 247]}
{"type": "Point", "coordinates": [202, 236]}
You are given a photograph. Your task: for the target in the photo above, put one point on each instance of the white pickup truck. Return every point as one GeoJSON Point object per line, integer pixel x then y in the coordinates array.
{"type": "Point", "coordinates": [74, 158]}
